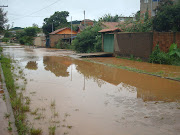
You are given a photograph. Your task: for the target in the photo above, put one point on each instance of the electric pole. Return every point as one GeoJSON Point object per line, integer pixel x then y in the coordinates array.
{"type": "Point", "coordinates": [84, 19]}
{"type": "Point", "coordinates": [52, 27]}
{"type": "Point", "coordinates": [71, 28]}
{"type": "Point", "coordinates": [4, 6]}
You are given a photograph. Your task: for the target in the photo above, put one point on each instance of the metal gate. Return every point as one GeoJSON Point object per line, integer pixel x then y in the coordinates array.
{"type": "Point", "coordinates": [109, 43]}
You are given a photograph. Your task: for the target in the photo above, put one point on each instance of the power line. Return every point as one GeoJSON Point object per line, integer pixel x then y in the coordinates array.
{"type": "Point", "coordinates": [37, 11]}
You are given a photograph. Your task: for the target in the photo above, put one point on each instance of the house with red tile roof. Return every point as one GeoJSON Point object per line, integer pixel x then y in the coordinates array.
{"type": "Point", "coordinates": [63, 33]}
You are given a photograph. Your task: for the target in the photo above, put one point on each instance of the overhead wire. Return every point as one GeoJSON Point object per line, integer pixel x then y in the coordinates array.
{"type": "Point", "coordinates": [37, 11]}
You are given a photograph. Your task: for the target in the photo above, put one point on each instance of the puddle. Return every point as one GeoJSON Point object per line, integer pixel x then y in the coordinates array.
{"type": "Point", "coordinates": [84, 98]}
{"type": "Point", "coordinates": [167, 70]}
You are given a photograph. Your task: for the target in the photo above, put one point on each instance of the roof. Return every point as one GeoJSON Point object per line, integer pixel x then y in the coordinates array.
{"type": "Point", "coordinates": [110, 30]}
{"type": "Point", "coordinates": [87, 20]}
{"type": "Point", "coordinates": [110, 25]}
{"type": "Point", "coordinates": [56, 31]}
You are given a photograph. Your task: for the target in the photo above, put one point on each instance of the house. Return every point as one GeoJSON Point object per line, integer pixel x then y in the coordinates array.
{"type": "Point", "coordinates": [63, 33]}
{"type": "Point", "coordinates": [87, 22]}
{"type": "Point", "coordinates": [108, 39]}
{"type": "Point", "coordinates": [151, 5]}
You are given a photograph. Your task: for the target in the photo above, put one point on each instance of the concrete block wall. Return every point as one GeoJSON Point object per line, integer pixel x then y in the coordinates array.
{"type": "Point", "coordinates": [136, 44]}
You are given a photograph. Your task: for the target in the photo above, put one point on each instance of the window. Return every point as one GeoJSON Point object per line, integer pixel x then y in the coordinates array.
{"type": "Point", "coordinates": [145, 1]}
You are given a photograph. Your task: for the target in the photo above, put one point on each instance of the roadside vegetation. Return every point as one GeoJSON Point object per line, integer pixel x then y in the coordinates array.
{"type": "Point", "coordinates": [172, 57]}
{"type": "Point", "coordinates": [17, 99]}
{"type": "Point", "coordinates": [25, 37]}
{"type": "Point", "coordinates": [89, 40]}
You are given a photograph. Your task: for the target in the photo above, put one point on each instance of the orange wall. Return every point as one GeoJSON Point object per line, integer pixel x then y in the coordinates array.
{"type": "Point", "coordinates": [66, 31]}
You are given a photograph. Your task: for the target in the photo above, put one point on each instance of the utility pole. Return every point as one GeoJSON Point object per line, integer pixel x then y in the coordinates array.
{"type": "Point", "coordinates": [4, 6]}
{"type": "Point", "coordinates": [52, 27]}
{"type": "Point", "coordinates": [84, 19]}
{"type": "Point", "coordinates": [151, 7]}
{"type": "Point", "coordinates": [71, 28]}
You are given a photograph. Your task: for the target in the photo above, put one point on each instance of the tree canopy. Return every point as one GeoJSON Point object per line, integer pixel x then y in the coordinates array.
{"type": "Point", "coordinates": [109, 18]}
{"type": "Point", "coordinates": [167, 17]}
{"type": "Point", "coordinates": [3, 19]}
{"type": "Point", "coordinates": [57, 20]}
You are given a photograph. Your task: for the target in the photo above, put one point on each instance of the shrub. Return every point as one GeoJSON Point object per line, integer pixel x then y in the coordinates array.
{"type": "Point", "coordinates": [5, 40]}
{"type": "Point", "coordinates": [88, 40]}
{"type": "Point", "coordinates": [62, 45]}
{"type": "Point", "coordinates": [172, 57]}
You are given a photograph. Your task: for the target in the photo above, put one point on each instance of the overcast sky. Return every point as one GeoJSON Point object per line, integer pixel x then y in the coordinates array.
{"type": "Point", "coordinates": [26, 12]}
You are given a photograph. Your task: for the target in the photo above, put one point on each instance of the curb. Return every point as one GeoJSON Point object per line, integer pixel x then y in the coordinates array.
{"type": "Point", "coordinates": [8, 104]}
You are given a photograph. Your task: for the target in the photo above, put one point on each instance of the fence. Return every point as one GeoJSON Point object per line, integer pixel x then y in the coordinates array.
{"type": "Point", "coordinates": [142, 44]}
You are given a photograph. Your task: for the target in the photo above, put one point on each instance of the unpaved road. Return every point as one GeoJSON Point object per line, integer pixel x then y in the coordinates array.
{"type": "Point", "coordinates": [83, 98]}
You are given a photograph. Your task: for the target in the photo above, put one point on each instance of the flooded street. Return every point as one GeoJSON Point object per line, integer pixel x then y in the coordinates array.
{"type": "Point", "coordinates": [84, 98]}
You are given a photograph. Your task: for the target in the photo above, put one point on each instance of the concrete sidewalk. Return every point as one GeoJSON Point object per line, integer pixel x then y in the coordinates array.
{"type": "Point", "coordinates": [3, 111]}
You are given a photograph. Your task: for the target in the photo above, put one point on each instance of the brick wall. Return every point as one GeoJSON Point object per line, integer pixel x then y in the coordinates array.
{"type": "Point", "coordinates": [56, 37]}
{"type": "Point", "coordinates": [165, 39]}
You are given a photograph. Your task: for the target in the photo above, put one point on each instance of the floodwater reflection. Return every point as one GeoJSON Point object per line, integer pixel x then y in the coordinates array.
{"type": "Point", "coordinates": [149, 88]}
{"type": "Point", "coordinates": [57, 65]}
{"type": "Point", "coordinates": [32, 65]}
{"type": "Point", "coordinates": [96, 99]}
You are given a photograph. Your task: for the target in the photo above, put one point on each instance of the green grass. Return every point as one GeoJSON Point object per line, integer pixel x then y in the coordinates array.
{"type": "Point", "coordinates": [34, 131]}
{"type": "Point", "coordinates": [15, 99]}
{"type": "Point", "coordinates": [52, 130]}
{"type": "Point", "coordinates": [130, 58]}
{"type": "Point", "coordinates": [6, 115]}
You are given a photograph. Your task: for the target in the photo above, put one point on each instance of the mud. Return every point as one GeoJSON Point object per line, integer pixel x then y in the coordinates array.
{"type": "Point", "coordinates": [166, 70]}
{"type": "Point", "coordinates": [95, 99]}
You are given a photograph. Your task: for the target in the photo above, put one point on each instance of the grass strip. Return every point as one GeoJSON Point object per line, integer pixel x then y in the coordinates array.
{"type": "Point", "coordinates": [158, 74]}
{"type": "Point", "coordinates": [15, 99]}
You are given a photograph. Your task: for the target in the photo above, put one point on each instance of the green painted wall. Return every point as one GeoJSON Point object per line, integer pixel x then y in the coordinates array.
{"type": "Point", "coordinates": [109, 43]}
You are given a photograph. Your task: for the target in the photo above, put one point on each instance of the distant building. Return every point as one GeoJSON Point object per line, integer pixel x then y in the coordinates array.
{"type": "Point", "coordinates": [64, 34]}
{"type": "Point", "coordinates": [123, 19]}
{"type": "Point", "coordinates": [149, 5]}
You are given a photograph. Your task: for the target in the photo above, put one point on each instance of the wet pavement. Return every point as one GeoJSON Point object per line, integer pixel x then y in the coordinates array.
{"type": "Point", "coordinates": [83, 98]}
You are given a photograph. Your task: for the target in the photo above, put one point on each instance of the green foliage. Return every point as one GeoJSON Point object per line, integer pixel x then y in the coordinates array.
{"type": "Point", "coordinates": [5, 40]}
{"type": "Point", "coordinates": [58, 20]}
{"type": "Point", "coordinates": [3, 19]}
{"type": "Point", "coordinates": [88, 40]}
{"type": "Point", "coordinates": [62, 45]}
{"type": "Point", "coordinates": [15, 99]}
{"type": "Point", "coordinates": [167, 17]}
{"type": "Point", "coordinates": [138, 15]}
{"type": "Point", "coordinates": [142, 24]}
{"type": "Point", "coordinates": [171, 58]}
{"type": "Point", "coordinates": [25, 37]}
{"type": "Point", "coordinates": [7, 34]}
{"type": "Point", "coordinates": [109, 18]}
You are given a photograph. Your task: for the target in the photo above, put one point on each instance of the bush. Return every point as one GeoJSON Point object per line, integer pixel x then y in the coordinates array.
{"type": "Point", "coordinates": [171, 58]}
{"type": "Point", "coordinates": [88, 40]}
{"type": "Point", "coordinates": [62, 45]}
{"type": "Point", "coordinates": [5, 40]}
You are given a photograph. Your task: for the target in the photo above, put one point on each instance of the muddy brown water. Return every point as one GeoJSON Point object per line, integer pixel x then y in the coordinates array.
{"type": "Point", "coordinates": [95, 99]}
{"type": "Point", "coordinates": [167, 70]}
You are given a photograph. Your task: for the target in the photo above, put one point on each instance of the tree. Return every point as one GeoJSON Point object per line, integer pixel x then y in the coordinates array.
{"type": "Point", "coordinates": [89, 40]}
{"type": "Point", "coordinates": [137, 15]}
{"type": "Point", "coordinates": [3, 19]}
{"type": "Point", "coordinates": [109, 18]}
{"type": "Point", "coordinates": [167, 17]}
{"type": "Point", "coordinates": [57, 20]}
{"type": "Point", "coordinates": [26, 36]}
